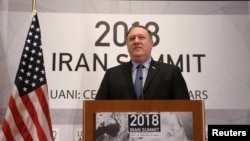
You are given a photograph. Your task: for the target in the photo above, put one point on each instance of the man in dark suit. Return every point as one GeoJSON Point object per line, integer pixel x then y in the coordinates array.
{"type": "Point", "coordinates": [159, 80]}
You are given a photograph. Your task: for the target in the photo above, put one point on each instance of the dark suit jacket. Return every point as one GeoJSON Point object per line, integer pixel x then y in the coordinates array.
{"type": "Point", "coordinates": [164, 81]}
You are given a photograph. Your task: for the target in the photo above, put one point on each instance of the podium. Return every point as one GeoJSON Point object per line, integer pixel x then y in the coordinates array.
{"type": "Point", "coordinates": [91, 108]}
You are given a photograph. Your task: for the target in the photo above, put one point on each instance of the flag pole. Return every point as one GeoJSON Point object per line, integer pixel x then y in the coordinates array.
{"type": "Point", "coordinates": [33, 6]}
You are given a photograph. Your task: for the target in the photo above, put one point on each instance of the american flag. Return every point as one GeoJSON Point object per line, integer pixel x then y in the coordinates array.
{"type": "Point", "coordinates": [28, 116]}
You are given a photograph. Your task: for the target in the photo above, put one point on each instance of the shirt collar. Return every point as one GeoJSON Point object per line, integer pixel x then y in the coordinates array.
{"type": "Point", "coordinates": [146, 64]}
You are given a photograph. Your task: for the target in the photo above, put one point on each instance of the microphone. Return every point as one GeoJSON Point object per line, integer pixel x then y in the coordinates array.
{"type": "Point", "coordinates": [141, 78]}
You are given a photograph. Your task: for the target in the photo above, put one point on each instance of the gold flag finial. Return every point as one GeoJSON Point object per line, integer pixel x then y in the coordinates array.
{"type": "Point", "coordinates": [33, 5]}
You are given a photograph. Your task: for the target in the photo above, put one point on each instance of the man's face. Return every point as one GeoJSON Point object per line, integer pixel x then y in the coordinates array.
{"type": "Point", "coordinates": [139, 44]}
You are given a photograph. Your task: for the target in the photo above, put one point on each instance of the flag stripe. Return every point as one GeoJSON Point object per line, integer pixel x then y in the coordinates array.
{"type": "Point", "coordinates": [35, 99]}
{"type": "Point", "coordinates": [18, 119]}
{"type": "Point", "coordinates": [14, 132]}
{"type": "Point", "coordinates": [9, 128]}
{"type": "Point", "coordinates": [33, 115]}
{"type": "Point", "coordinates": [43, 100]}
{"type": "Point", "coordinates": [7, 132]}
{"type": "Point", "coordinates": [25, 115]}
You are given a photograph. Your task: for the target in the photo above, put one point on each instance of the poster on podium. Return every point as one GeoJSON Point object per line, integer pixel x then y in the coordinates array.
{"type": "Point", "coordinates": [144, 126]}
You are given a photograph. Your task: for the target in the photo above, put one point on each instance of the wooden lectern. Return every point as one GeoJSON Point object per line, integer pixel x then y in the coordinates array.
{"type": "Point", "coordinates": [91, 107]}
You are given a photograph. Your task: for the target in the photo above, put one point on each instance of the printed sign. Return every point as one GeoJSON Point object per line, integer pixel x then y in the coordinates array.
{"type": "Point", "coordinates": [144, 126]}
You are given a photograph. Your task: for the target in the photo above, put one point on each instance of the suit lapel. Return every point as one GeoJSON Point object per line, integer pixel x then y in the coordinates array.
{"type": "Point", "coordinates": [127, 71]}
{"type": "Point", "coordinates": [153, 69]}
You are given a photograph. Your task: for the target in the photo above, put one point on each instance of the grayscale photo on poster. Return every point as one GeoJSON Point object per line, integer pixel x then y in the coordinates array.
{"type": "Point", "coordinates": [144, 126]}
